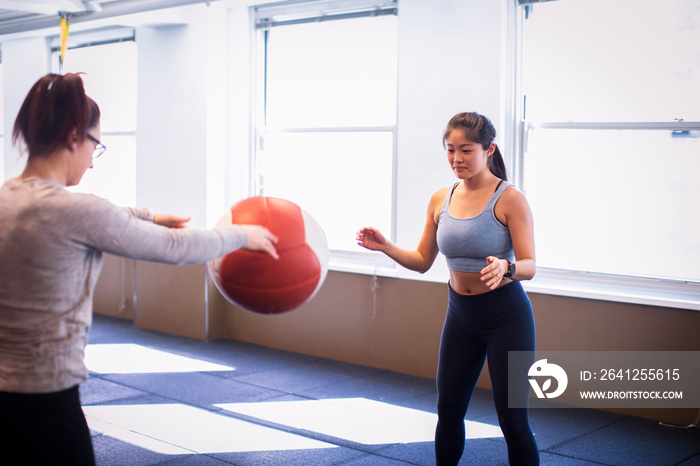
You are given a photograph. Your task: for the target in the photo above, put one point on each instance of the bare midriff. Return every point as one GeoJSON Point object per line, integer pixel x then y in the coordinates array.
{"type": "Point", "coordinates": [470, 283]}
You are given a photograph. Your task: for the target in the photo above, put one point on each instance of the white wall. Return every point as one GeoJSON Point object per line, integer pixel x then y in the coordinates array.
{"type": "Point", "coordinates": [25, 60]}
{"type": "Point", "coordinates": [181, 95]}
{"type": "Point", "coordinates": [241, 99]}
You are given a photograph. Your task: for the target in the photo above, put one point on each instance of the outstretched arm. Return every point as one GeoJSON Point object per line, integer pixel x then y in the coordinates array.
{"type": "Point", "coordinates": [419, 259]}
{"type": "Point", "coordinates": [257, 238]}
{"type": "Point", "coordinates": [139, 234]}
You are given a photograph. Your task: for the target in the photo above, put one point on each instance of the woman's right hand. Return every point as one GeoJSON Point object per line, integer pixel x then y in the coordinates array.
{"type": "Point", "coordinates": [260, 239]}
{"type": "Point", "coordinates": [371, 238]}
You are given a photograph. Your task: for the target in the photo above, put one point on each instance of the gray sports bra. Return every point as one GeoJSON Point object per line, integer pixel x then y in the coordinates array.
{"type": "Point", "coordinates": [466, 242]}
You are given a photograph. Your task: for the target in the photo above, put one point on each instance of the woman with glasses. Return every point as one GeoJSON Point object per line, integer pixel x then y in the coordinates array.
{"type": "Point", "coordinates": [51, 245]}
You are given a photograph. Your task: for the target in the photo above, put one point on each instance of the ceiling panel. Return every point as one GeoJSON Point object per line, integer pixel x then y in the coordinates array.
{"type": "Point", "coordinates": [25, 15]}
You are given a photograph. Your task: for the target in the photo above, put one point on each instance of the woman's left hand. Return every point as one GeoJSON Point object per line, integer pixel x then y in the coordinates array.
{"type": "Point", "coordinates": [170, 221]}
{"type": "Point", "coordinates": [493, 273]}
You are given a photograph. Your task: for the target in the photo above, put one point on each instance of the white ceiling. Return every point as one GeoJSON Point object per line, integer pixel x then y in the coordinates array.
{"type": "Point", "coordinates": [25, 15]}
{"type": "Point", "coordinates": [26, 11]}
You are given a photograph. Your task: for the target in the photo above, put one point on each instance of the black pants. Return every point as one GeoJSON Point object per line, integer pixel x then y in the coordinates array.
{"type": "Point", "coordinates": [490, 324]}
{"type": "Point", "coordinates": [44, 429]}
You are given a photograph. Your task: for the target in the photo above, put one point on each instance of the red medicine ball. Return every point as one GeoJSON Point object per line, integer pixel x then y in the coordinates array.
{"type": "Point", "coordinates": [258, 283]}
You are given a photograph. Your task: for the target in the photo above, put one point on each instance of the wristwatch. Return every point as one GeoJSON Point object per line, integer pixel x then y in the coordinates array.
{"type": "Point", "coordinates": [511, 269]}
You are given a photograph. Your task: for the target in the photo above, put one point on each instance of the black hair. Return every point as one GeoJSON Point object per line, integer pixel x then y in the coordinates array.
{"type": "Point", "coordinates": [479, 129]}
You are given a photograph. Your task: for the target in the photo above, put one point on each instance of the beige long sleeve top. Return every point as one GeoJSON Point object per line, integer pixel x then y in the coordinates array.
{"type": "Point", "coordinates": [51, 245]}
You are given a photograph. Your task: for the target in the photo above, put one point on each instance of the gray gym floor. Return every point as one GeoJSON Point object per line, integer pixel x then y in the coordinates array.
{"type": "Point", "coordinates": [154, 398]}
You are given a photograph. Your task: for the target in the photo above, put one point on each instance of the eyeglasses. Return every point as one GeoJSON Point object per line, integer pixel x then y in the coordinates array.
{"type": "Point", "coordinates": [99, 148]}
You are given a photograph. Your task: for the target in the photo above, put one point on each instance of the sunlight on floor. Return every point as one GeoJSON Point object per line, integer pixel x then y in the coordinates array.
{"type": "Point", "coordinates": [356, 419]}
{"type": "Point", "coordinates": [137, 359]}
{"type": "Point", "coordinates": [177, 429]}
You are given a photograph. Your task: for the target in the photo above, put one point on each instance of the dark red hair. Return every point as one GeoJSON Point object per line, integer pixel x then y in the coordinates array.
{"type": "Point", "coordinates": [55, 108]}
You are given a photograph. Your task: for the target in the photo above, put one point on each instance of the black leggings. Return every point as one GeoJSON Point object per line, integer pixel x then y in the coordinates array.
{"type": "Point", "coordinates": [40, 429]}
{"type": "Point", "coordinates": [490, 324]}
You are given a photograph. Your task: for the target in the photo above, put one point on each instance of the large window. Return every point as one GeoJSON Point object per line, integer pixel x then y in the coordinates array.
{"type": "Point", "coordinates": [611, 137]}
{"type": "Point", "coordinates": [326, 113]}
{"type": "Point", "coordinates": [108, 59]}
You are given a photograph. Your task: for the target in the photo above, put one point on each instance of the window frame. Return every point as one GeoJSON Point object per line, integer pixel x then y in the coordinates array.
{"type": "Point", "coordinates": [680, 294]}
{"type": "Point", "coordinates": [265, 17]}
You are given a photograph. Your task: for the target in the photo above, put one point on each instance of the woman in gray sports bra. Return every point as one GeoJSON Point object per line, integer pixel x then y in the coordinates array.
{"type": "Point", "coordinates": [483, 226]}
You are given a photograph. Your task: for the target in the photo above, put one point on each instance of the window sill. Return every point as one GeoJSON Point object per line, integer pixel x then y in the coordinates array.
{"type": "Point", "coordinates": [633, 290]}
{"type": "Point", "coordinates": [363, 263]}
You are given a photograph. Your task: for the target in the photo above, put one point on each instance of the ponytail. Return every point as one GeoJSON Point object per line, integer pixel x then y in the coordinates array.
{"type": "Point", "coordinates": [496, 164]}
